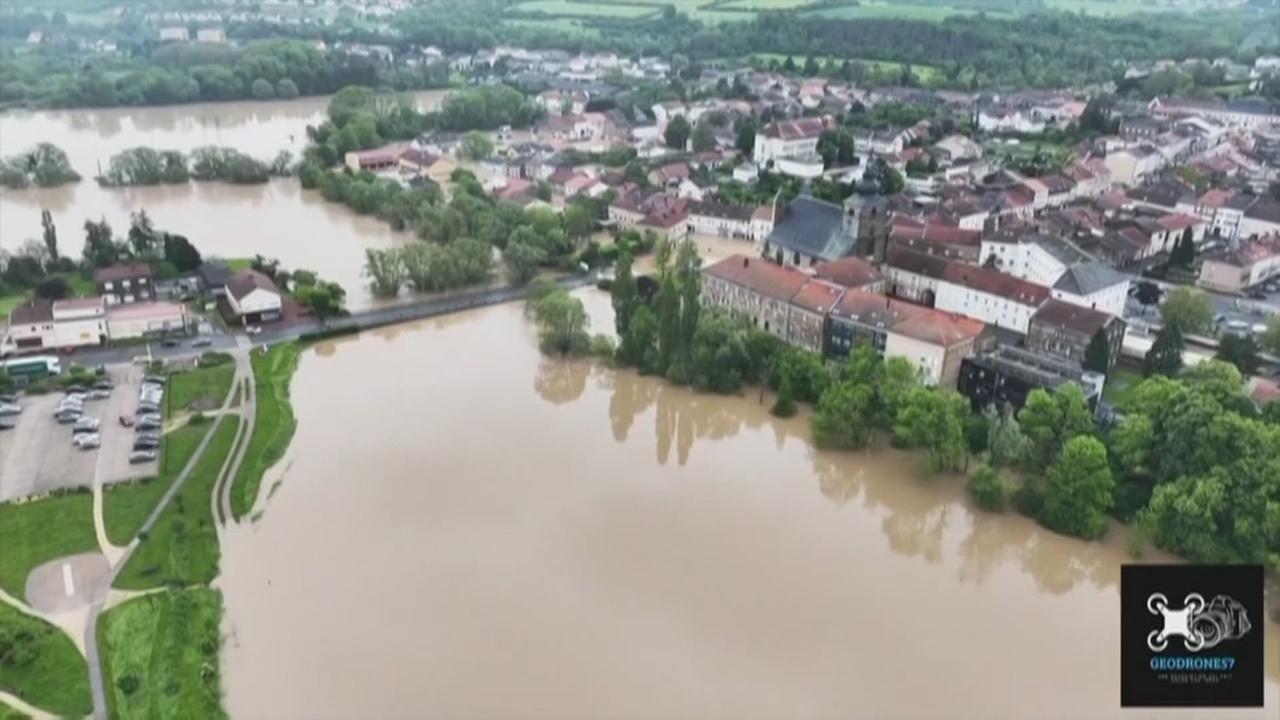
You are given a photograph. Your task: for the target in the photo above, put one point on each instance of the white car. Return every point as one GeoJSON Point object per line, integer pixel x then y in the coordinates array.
{"type": "Point", "coordinates": [86, 424]}
{"type": "Point", "coordinates": [253, 330]}
{"type": "Point", "coordinates": [89, 441]}
{"type": "Point", "coordinates": [10, 409]}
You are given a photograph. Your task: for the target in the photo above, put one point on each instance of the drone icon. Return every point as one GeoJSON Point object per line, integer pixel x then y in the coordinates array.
{"type": "Point", "coordinates": [1201, 625]}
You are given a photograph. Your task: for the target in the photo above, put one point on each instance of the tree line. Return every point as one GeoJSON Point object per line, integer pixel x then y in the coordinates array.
{"type": "Point", "coordinates": [148, 166]}
{"type": "Point", "coordinates": [44, 165]}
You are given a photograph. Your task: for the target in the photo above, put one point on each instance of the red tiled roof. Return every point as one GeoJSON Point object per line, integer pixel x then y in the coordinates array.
{"type": "Point", "coordinates": [797, 129]}
{"type": "Point", "coordinates": [914, 321]}
{"type": "Point", "coordinates": [759, 275]}
{"type": "Point", "coordinates": [851, 272]}
{"type": "Point", "coordinates": [112, 273]}
{"type": "Point", "coordinates": [817, 296]}
{"type": "Point", "coordinates": [995, 283]}
{"type": "Point", "coordinates": [1074, 317]}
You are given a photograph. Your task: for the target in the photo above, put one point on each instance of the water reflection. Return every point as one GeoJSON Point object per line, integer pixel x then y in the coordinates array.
{"type": "Point", "coordinates": [560, 381]}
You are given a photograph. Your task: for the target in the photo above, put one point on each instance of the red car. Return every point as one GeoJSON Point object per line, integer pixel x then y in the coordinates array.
{"type": "Point", "coordinates": [126, 421]}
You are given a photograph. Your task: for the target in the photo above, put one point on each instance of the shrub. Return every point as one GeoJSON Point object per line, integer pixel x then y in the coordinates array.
{"type": "Point", "coordinates": [988, 489]}
{"type": "Point", "coordinates": [128, 684]}
{"type": "Point", "coordinates": [1029, 498]}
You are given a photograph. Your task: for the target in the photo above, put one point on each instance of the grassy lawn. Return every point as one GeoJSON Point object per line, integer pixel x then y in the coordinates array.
{"type": "Point", "coordinates": [1120, 384]}
{"type": "Point", "coordinates": [126, 506]}
{"type": "Point", "coordinates": [8, 303]}
{"type": "Point", "coordinates": [41, 665]}
{"type": "Point", "coordinates": [182, 547]}
{"type": "Point", "coordinates": [273, 423]}
{"type": "Point", "coordinates": [564, 7]}
{"type": "Point", "coordinates": [239, 263]}
{"type": "Point", "coordinates": [33, 533]}
{"type": "Point", "coordinates": [199, 389]}
{"type": "Point", "coordinates": [160, 656]}
{"type": "Point", "coordinates": [8, 713]}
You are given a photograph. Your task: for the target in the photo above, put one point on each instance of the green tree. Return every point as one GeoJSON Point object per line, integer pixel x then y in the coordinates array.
{"type": "Point", "coordinates": [1097, 356]}
{"type": "Point", "coordinates": [623, 294]}
{"type": "Point", "coordinates": [522, 260]}
{"type": "Point", "coordinates": [385, 270]}
{"type": "Point", "coordinates": [988, 489]}
{"type": "Point", "coordinates": [49, 234]}
{"type": "Point", "coordinates": [677, 133]}
{"type": "Point", "coordinates": [1184, 251]}
{"type": "Point", "coordinates": [1052, 419]}
{"type": "Point", "coordinates": [261, 89]}
{"type": "Point", "coordinates": [668, 303]}
{"type": "Point", "coordinates": [1165, 355]}
{"type": "Point", "coordinates": [179, 252]}
{"type": "Point", "coordinates": [476, 145]}
{"type": "Point", "coordinates": [1241, 351]}
{"type": "Point", "coordinates": [784, 406]}
{"type": "Point", "coordinates": [1006, 444]}
{"type": "Point", "coordinates": [845, 416]}
{"type": "Point", "coordinates": [1189, 309]}
{"type": "Point", "coordinates": [286, 89]}
{"type": "Point", "coordinates": [1078, 491]}
{"type": "Point", "coordinates": [934, 420]}
{"type": "Point", "coordinates": [639, 345]}
{"type": "Point", "coordinates": [746, 142]}
{"type": "Point", "coordinates": [100, 248]}
{"type": "Point", "coordinates": [563, 323]}
{"type": "Point", "coordinates": [578, 221]}
{"type": "Point", "coordinates": [704, 137]}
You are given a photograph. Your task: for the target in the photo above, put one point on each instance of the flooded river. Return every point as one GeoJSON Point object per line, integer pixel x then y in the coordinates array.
{"type": "Point", "coordinates": [477, 531]}
{"type": "Point", "coordinates": [277, 220]}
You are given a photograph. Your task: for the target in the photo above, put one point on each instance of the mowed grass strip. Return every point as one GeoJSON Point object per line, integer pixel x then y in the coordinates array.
{"type": "Point", "coordinates": [37, 531]}
{"type": "Point", "coordinates": [201, 389]}
{"type": "Point", "coordinates": [40, 665]}
{"type": "Point", "coordinates": [127, 505]}
{"type": "Point", "coordinates": [160, 655]}
{"type": "Point", "coordinates": [182, 547]}
{"type": "Point", "coordinates": [8, 713]}
{"type": "Point", "coordinates": [274, 423]}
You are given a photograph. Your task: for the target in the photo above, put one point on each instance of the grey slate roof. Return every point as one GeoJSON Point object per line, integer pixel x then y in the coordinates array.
{"type": "Point", "coordinates": [812, 227]}
{"type": "Point", "coordinates": [1088, 278]}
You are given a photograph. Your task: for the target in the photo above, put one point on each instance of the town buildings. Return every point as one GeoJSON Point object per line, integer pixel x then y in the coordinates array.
{"type": "Point", "coordinates": [125, 283]}
{"type": "Point", "coordinates": [252, 297]}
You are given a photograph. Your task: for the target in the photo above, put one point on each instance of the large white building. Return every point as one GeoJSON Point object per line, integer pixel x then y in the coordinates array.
{"type": "Point", "coordinates": [253, 297]}
{"type": "Point", "coordinates": [70, 323]}
{"type": "Point", "coordinates": [969, 290]}
{"type": "Point", "coordinates": [1070, 275]}
{"type": "Point", "coordinates": [789, 139]}
{"type": "Point", "coordinates": [1254, 262]}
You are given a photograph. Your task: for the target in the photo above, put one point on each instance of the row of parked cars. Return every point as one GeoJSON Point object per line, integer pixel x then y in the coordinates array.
{"type": "Point", "coordinates": [147, 422]}
{"type": "Point", "coordinates": [70, 410]}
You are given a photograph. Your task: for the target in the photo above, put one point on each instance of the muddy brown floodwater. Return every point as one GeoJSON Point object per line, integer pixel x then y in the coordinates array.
{"type": "Point", "coordinates": [278, 219]}
{"type": "Point", "coordinates": [470, 530]}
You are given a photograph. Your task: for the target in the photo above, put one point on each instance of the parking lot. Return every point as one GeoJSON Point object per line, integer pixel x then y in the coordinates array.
{"type": "Point", "coordinates": [37, 456]}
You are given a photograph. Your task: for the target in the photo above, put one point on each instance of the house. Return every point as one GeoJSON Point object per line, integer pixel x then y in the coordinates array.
{"type": "Point", "coordinates": [1093, 285]}
{"type": "Point", "coordinates": [1005, 377]}
{"type": "Point", "coordinates": [1253, 262]}
{"type": "Point", "coordinates": [252, 297]}
{"type": "Point", "coordinates": [976, 292]}
{"type": "Point", "coordinates": [669, 175]}
{"type": "Point", "coordinates": [211, 35]}
{"type": "Point", "coordinates": [125, 283]}
{"type": "Point", "coordinates": [1066, 329]}
{"type": "Point", "coordinates": [955, 148]}
{"type": "Point", "coordinates": [213, 276]}
{"type": "Point", "coordinates": [721, 219]}
{"type": "Point", "coordinates": [56, 325]}
{"type": "Point", "coordinates": [438, 168]}
{"type": "Point", "coordinates": [144, 319]}
{"type": "Point", "coordinates": [383, 158]}
{"type": "Point", "coordinates": [758, 290]}
{"type": "Point", "coordinates": [935, 342]}
{"type": "Point", "coordinates": [851, 272]}
{"type": "Point", "coordinates": [1260, 219]}
{"type": "Point", "coordinates": [173, 33]}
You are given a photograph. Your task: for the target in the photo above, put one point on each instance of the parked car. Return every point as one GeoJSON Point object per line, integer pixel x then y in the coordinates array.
{"type": "Point", "coordinates": [145, 445]}
{"type": "Point", "coordinates": [146, 427]}
{"type": "Point", "coordinates": [86, 424]}
{"type": "Point", "coordinates": [148, 436]}
{"type": "Point", "coordinates": [66, 418]}
{"type": "Point", "coordinates": [7, 425]}
{"type": "Point", "coordinates": [8, 398]}
{"type": "Point", "coordinates": [141, 456]}
{"type": "Point", "coordinates": [10, 409]}
{"type": "Point", "coordinates": [75, 390]}
{"type": "Point", "coordinates": [103, 385]}
{"type": "Point", "coordinates": [253, 330]}
{"type": "Point", "coordinates": [169, 343]}
{"type": "Point", "coordinates": [154, 380]}
{"type": "Point", "coordinates": [88, 441]}
{"type": "Point", "coordinates": [99, 394]}
{"type": "Point", "coordinates": [201, 342]}
{"type": "Point", "coordinates": [68, 410]}
{"type": "Point", "coordinates": [141, 359]}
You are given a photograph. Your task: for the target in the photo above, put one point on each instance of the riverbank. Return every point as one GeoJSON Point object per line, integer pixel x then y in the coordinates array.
{"type": "Point", "coordinates": [41, 665]}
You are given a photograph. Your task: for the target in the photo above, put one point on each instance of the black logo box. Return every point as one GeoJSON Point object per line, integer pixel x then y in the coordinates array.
{"type": "Point", "coordinates": [1142, 686]}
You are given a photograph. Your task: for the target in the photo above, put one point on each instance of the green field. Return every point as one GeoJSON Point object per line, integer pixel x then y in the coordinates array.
{"type": "Point", "coordinates": [126, 506]}
{"type": "Point", "coordinates": [8, 713]}
{"type": "Point", "coordinates": [273, 423]}
{"type": "Point", "coordinates": [33, 533]}
{"type": "Point", "coordinates": [40, 665]}
{"type": "Point", "coordinates": [925, 73]}
{"type": "Point", "coordinates": [160, 656]}
{"type": "Point", "coordinates": [182, 547]}
{"type": "Point", "coordinates": [202, 389]}
{"type": "Point", "coordinates": [602, 10]}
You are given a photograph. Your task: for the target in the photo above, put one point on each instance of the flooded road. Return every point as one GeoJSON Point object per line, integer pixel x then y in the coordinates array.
{"type": "Point", "coordinates": [277, 220]}
{"type": "Point", "coordinates": [477, 531]}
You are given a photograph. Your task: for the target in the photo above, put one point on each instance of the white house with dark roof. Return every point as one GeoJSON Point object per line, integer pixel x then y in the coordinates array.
{"type": "Point", "coordinates": [253, 297]}
{"type": "Point", "coordinates": [1093, 285]}
{"type": "Point", "coordinates": [806, 232]}
{"type": "Point", "coordinates": [789, 139]}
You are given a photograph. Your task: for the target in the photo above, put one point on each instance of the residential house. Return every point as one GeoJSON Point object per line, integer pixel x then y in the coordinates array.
{"type": "Point", "coordinates": [976, 292]}
{"type": "Point", "coordinates": [253, 297]}
{"type": "Point", "coordinates": [790, 138]}
{"type": "Point", "coordinates": [57, 325]}
{"type": "Point", "coordinates": [1255, 261]}
{"type": "Point", "coordinates": [125, 283]}
{"type": "Point", "coordinates": [136, 320]}
{"type": "Point", "coordinates": [1065, 329]}
{"type": "Point", "coordinates": [438, 168]}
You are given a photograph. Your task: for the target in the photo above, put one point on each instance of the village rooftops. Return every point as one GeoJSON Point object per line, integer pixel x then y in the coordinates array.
{"type": "Point", "coordinates": [742, 213]}
{"type": "Point", "coordinates": [1089, 278]}
{"type": "Point", "coordinates": [904, 318]}
{"type": "Point", "coordinates": [851, 272]}
{"type": "Point", "coordinates": [1071, 316]}
{"type": "Point", "coordinates": [798, 129]}
{"type": "Point", "coordinates": [760, 276]}
{"type": "Point", "coordinates": [32, 313]}
{"type": "Point", "coordinates": [124, 271]}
